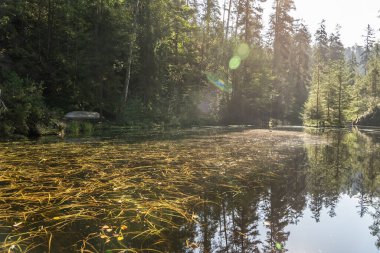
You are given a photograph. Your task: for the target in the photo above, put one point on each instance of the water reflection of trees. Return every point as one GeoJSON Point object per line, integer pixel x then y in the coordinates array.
{"type": "Point", "coordinates": [325, 174]}
{"type": "Point", "coordinates": [364, 151]}
{"type": "Point", "coordinates": [246, 200]}
{"type": "Point", "coordinates": [314, 176]}
{"type": "Point", "coordinates": [273, 202]}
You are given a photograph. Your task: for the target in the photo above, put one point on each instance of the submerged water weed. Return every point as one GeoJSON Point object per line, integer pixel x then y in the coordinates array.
{"type": "Point", "coordinates": [106, 195]}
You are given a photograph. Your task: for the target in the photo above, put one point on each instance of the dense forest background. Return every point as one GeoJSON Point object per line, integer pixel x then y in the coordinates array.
{"type": "Point", "coordinates": [178, 63]}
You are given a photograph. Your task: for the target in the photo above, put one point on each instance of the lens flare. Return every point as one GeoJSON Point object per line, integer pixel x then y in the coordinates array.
{"type": "Point", "coordinates": [219, 83]}
{"type": "Point", "coordinates": [243, 51]}
{"type": "Point", "coordinates": [234, 62]}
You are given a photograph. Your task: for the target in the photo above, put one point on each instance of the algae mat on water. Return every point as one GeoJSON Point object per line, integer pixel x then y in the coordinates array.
{"type": "Point", "coordinates": [113, 196]}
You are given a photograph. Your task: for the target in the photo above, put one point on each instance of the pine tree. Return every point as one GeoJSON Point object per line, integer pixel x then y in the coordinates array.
{"type": "Point", "coordinates": [313, 108]}
{"type": "Point", "coordinates": [337, 94]}
{"type": "Point", "coordinates": [321, 39]}
{"type": "Point", "coordinates": [353, 66]}
{"type": "Point", "coordinates": [282, 30]}
{"type": "Point", "coordinates": [336, 48]}
{"type": "Point", "coordinates": [211, 34]}
{"type": "Point", "coordinates": [328, 102]}
{"type": "Point", "coordinates": [369, 39]}
{"type": "Point", "coordinates": [250, 23]}
{"type": "Point", "coordinates": [300, 69]}
{"type": "Point", "coordinates": [374, 71]}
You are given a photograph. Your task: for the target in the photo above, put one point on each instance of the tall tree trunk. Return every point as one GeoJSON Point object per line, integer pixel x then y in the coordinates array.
{"type": "Point", "coordinates": [237, 19]}
{"type": "Point", "coordinates": [246, 35]}
{"type": "Point", "coordinates": [318, 86]}
{"type": "Point", "coordinates": [224, 19]}
{"type": "Point", "coordinates": [176, 37]}
{"type": "Point", "coordinates": [276, 61]}
{"type": "Point", "coordinates": [39, 33]}
{"type": "Point", "coordinates": [76, 53]}
{"type": "Point", "coordinates": [50, 25]}
{"type": "Point", "coordinates": [374, 82]}
{"type": "Point", "coordinates": [228, 20]}
{"type": "Point", "coordinates": [340, 100]}
{"type": "Point", "coordinates": [67, 24]}
{"type": "Point", "coordinates": [225, 55]}
{"type": "Point", "coordinates": [99, 79]}
{"type": "Point", "coordinates": [130, 56]}
{"type": "Point", "coordinates": [328, 105]}
{"type": "Point", "coordinates": [328, 98]}
{"type": "Point", "coordinates": [3, 107]}
{"type": "Point", "coordinates": [206, 32]}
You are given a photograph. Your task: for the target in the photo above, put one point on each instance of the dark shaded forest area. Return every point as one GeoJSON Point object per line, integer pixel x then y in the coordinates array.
{"type": "Point", "coordinates": [177, 63]}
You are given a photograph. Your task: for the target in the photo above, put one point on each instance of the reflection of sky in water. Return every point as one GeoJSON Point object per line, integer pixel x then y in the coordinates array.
{"type": "Point", "coordinates": [331, 192]}
{"type": "Point", "coordinates": [346, 232]}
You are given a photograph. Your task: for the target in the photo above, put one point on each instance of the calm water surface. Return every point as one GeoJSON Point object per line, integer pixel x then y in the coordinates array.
{"type": "Point", "coordinates": [198, 190]}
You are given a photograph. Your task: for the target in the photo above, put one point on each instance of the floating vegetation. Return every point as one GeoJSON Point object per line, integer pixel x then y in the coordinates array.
{"type": "Point", "coordinates": [114, 196]}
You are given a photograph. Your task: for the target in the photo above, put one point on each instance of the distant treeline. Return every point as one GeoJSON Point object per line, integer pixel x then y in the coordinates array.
{"type": "Point", "coordinates": [174, 62]}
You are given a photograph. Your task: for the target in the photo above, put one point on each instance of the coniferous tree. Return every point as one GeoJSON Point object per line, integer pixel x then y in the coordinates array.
{"type": "Point", "coordinates": [337, 80]}
{"type": "Point", "coordinates": [328, 102]}
{"type": "Point", "coordinates": [374, 71]}
{"type": "Point", "coordinates": [93, 55]}
{"type": "Point", "coordinates": [353, 66]}
{"type": "Point", "coordinates": [300, 69]}
{"type": "Point", "coordinates": [321, 56]}
{"type": "Point", "coordinates": [321, 38]}
{"type": "Point", "coordinates": [313, 111]}
{"type": "Point", "coordinates": [249, 23]}
{"type": "Point", "coordinates": [241, 107]}
{"type": "Point", "coordinates": [282, 30]}
{"type": "Point", "coordinates": [369, 39]}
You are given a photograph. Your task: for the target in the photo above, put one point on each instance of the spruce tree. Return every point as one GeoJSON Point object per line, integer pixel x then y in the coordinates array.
{"type": "Point", "coordinates": [282, 30]}
{"type": "Point", "coordinates": [369, 39]}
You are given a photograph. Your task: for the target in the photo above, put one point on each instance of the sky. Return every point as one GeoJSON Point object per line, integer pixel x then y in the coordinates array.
{"type": "Point", "coordinates": [352, 15]}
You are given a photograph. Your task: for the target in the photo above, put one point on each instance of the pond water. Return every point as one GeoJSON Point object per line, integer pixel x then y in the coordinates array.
{"type": "Point", "coordinates": [198, 190]}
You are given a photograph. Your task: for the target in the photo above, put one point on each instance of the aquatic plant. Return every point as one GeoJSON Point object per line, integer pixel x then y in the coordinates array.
{"type": "Point", "coordinates": [111, 195]}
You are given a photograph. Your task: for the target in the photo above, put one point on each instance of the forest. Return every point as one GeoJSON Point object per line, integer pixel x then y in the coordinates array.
{"type": "Point", "coordinates": [178, 63]}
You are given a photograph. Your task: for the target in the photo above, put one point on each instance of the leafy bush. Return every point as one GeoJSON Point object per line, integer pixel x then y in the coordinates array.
{"type": "Point", "coordinates": [80, 127]}
{"type": "Point", "coordinates": [25, 106]}
{"type": "Point", "coordinates": [73, 128]}
{"type": "Point", "coordinates": [87, 128]}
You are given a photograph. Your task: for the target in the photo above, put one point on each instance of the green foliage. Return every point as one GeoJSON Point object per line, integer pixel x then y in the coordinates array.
{"type": "Point", "coordinates": [329, 100]}
{"type": "Point", "coordinates": [291, 58]}
{"type": "Point", "coordinates": [145, 62]}
{"type": "Point", "coordinates": [25, 107]}
{"type": "Point", "coordinates": [332, 89]}
{"type": "Point", "coordinates": [364, 91]}
{"type": "Point", "coordinates": [84, 51]}
{"type": "Point", "coordinates": [87, 127]}
{"type": "Point", "coordinates": [73, 128]}
{"type": "Point", "coordinates": [80, 127]}
{"type": "Point", "coordinates": [136, 113]}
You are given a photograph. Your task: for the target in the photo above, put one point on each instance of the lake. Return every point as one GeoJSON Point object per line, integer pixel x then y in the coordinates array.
{"type": "Point", "coordinates": [216, 189]}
